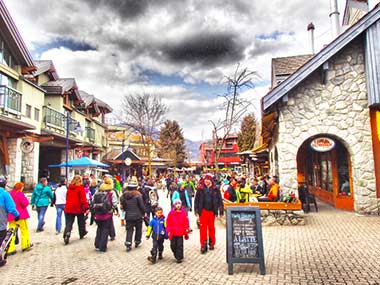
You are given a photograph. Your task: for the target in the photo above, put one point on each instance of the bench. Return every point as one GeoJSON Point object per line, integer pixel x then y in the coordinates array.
{"type": "Point", "coordinates": [275, 212]}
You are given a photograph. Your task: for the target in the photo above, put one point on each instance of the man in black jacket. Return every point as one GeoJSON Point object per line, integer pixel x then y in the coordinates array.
{"type": "Point", "coordinates": [208, 204]}
{"type": "Point", "coordinates": [132, 203]}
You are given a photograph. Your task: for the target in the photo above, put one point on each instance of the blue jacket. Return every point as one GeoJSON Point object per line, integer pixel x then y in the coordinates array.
{"type": "Point", "coordinates": [41, 196]}
{"type": "Point", "coordinates": [177, 195]}
{"type": "Point", "coordinates": [157, 227]}
{"type": "Point", "coordinates": [7, 205]}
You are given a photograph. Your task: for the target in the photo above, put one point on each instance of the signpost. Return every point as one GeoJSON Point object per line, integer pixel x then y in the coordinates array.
{"type": "Point", "coordinates": [244, 237]}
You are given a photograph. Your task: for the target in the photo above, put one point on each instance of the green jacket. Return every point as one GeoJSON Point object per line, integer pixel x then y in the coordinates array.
{"type": "Point", "coordinates": [42, 196]}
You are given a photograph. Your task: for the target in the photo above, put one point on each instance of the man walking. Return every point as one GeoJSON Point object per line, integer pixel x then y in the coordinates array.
{"type": "Point", "coordinates": [207, 205]}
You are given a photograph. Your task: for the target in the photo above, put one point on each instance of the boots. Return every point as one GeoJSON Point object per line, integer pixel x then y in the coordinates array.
{"type": "Point", "coordinates": [152, 259]}
{"type": "Point", "coordinates": [211, 247]}
{"type": "Point", "coordinates": [204, 248]}
{"type": "Point", "coordinates": [160, 255]}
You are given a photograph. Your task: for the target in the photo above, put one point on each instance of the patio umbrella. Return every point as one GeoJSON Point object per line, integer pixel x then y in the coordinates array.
{"type": "Point", "coordinates": [81, 162]}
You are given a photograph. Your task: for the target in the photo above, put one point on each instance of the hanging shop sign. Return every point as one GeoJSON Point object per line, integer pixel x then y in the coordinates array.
{"type": "Point", "coordinates": [322, 144]}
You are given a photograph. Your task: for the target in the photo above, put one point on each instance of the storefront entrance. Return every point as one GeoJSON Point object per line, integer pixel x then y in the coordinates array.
{"type": "Point", "coordinates": [324, 164]}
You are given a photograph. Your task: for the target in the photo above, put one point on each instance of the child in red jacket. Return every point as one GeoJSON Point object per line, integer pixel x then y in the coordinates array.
{"type": "Point", "coordinates": [177, 225]}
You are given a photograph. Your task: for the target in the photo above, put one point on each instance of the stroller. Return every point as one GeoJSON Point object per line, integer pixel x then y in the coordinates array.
{"type": "Point", "coordinates": [5, 245]}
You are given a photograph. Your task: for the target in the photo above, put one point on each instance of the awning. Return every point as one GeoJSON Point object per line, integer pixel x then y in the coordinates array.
{"type": "Point", "coordinates": [260, 148]}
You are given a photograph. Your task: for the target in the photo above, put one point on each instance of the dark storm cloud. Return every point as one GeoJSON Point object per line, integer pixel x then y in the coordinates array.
{"type": "Point", "coordinates": [125, 8]}
{"type": "Point", "coordinates": [209, 49]}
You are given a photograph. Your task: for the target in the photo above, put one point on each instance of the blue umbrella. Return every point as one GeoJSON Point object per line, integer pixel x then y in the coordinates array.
{"type": "Point", "coordinates": [80, 162]}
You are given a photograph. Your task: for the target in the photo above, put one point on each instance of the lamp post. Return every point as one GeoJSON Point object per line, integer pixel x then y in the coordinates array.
{"type": "Point", "coordinates": [122, 161]}
{"type": "Point", "coordinates": [77, 128]}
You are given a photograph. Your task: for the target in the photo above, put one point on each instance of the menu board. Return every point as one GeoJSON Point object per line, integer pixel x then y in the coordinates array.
{"type": "Point", "coordinates": [244, 237]}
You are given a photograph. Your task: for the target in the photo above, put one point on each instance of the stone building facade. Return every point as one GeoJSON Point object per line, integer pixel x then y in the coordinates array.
{"type": "Point", "coordinates": [331, 103]}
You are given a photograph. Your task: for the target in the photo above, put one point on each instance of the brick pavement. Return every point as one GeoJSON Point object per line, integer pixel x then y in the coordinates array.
{"type": "Point", "coordinates": [334, 247]}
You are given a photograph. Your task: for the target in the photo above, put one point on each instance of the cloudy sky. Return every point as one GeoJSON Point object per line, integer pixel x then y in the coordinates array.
{"type": "Point", "coordinates": [179, 49]}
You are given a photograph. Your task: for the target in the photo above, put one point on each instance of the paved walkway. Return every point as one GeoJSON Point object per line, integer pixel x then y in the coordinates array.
{"type": "Point", "coordinates": [333, 247]}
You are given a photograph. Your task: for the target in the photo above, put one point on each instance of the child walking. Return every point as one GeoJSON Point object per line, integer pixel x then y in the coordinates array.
{"type": "Point", "coordinates": [177, 228]}
{"type": "Point", "coordinates": [157, 228]}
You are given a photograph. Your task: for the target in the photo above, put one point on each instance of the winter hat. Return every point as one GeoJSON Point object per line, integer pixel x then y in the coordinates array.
{"type": "Point", "coordinates": [177, 201]}
{"type": "Point", "coordinates": [18, 186]}
{"type": "Point", "coordinates": [106, 185]}
{"type": "Point", "coordinates": [132, 185]}
{"type": "Point", "coordinates": [208, 176]}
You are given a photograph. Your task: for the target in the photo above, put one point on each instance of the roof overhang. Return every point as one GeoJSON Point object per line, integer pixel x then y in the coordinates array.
{"type": "Point", "coordinates": [320, 58]}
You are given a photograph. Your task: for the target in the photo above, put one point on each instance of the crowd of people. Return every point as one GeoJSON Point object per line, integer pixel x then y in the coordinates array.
{"type": "Point", "coordinates": [137, 202]}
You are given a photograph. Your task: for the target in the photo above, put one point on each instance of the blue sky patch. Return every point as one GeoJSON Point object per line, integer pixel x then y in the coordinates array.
{"type": "Point", "coordinates": [274, 35]}
{"type": "Point", "coordinates": [66, 43]}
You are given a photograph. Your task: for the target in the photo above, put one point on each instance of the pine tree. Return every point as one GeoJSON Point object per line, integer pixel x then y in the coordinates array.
{"type": "Point", "coordinates": [246, 136]}
{"type": "Point", "coordinates": [172, 143]}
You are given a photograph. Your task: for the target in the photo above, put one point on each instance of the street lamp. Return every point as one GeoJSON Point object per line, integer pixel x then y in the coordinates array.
{"type": "Point", "coordinates": [77, 128]}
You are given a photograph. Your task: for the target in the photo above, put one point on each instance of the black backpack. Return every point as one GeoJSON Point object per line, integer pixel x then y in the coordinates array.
{"type": "Point", "coordinates": [101, 202]}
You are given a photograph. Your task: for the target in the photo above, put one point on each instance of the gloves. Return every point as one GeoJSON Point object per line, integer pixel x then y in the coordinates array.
{"type": "Point", "coordinates": [190, 210]}
{"type": "Point", "coordinates": [186, 236]}
{"type": "Point", "coordinates": [17, 218]}
{"type": "Point", "coordinates": [147, 237]}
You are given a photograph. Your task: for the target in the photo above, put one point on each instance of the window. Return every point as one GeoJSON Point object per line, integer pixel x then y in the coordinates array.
{"type": "Point", "coordinates": [5, 56]}
{"type": "Point", "coordinates": [28, 111]}
{"type": "Point", "coordinates": [36, 114]}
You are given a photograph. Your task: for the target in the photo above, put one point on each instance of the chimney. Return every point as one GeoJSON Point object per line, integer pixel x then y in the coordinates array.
{"type": "Point", "coordinates": [334, 18]}
{"type": "Point", "coordinates": [310, 29]}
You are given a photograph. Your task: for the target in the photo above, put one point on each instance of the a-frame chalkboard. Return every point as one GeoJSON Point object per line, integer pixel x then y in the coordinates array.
{"type": "Point", "coordinates": [244, 237]}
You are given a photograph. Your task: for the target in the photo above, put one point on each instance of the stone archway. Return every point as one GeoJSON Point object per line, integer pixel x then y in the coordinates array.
{"type": "Point", "coordinates": [324, 164]}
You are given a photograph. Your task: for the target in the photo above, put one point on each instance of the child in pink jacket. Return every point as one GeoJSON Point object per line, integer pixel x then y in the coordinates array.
{"type": "Point", "coordinates": [22, 203]}
{"type": "Point", "coordinates": [177, 226]}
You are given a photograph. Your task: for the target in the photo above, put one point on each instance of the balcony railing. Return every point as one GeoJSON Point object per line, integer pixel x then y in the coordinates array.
{"type": "Point", "coordinates": [90, 133]}
{"type": "Point", "coordinates": [10, 100]}
{"type": "Point", "coordinates": [57, 120]}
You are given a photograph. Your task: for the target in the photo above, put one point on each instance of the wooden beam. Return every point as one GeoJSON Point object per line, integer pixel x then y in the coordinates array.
{"type": "Point", "coordinates": [5, 150]}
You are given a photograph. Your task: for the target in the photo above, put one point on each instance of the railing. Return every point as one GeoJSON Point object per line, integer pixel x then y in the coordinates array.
{"type": "Point", "coordinates": [90, 133]}
{"type": "Point", "coordinates": [54, 118]}
{"type": "Point", "coordinates": [10, 100]}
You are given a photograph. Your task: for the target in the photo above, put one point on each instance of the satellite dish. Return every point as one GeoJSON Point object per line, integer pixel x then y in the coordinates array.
{"type": "Point", "coordinates": [27, 146]}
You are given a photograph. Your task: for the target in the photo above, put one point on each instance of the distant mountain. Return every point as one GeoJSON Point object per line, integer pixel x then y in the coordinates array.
{"type": "Point", "coordinates": [192, 148]}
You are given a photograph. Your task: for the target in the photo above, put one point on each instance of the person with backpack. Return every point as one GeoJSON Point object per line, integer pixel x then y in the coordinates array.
{"type": "Point", "coordinates": [103, 206]}
{"type": "Point", "coordinates": [76, 206]}
{"type": "Point", "coordinates": [132, 203]}
{"type": "Point", "coordinates": [150, 198]}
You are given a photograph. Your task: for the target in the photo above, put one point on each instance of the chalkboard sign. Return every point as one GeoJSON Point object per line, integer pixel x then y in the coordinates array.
{"type": "Point", "coordinates": [244, 237]}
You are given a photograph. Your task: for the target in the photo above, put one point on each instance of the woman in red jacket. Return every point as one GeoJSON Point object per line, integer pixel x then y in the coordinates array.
{"type": "Point", "coordinates": [76, 206]}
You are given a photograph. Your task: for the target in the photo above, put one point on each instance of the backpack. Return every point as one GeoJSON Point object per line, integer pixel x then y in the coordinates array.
{"type": "Point", "coordinates": [101, 202]}
{"type": "Point", "coordinates": [153, 198]}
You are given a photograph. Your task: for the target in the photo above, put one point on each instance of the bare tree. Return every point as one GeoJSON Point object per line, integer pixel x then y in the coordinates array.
{"type": "Point", "coordinates": [234, 106]}
{"type": "Point", "coordinates": [144, 113]}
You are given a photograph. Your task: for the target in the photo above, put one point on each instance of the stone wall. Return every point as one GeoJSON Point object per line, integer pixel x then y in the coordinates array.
{"type": "Point", "coordinates": [338, 108]}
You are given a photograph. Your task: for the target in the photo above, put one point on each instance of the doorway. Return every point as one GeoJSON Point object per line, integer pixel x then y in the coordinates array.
{"type": "Point", "coordinates": [324, 164]}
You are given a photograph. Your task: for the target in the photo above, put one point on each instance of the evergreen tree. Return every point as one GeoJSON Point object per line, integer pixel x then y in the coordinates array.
{"type": "Point", "coordinates": [246, 136]}
{"type": "Point", "coordinates": [172, 143]}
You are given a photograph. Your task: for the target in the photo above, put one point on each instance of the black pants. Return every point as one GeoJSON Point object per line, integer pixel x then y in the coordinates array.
{"type": "Point", "coordinates": [176, 245]}
{"type": "Point", "coordinates": [69, 224]}
{"type": "Point", "coordinates": [112, 232]}
{"type": "Point", "coordinates": [158, 245]}
{"type": "Point", "coordinates": [102, 232]}
{"type": "Point", "coordinates": [131, 226]}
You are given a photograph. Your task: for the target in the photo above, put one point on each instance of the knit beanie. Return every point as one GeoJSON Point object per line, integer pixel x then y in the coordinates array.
{"type": "Point", "coordinates": [177, 201]}
{"type": "Point", "coordinates": [208, 177]}
{"type": "Point", "coordinates": [106, 185]}
{"type": "Point", "coordinates": [18, 186]}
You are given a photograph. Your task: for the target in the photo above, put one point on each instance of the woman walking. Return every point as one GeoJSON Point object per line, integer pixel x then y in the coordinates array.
{"type": "Point", "coordinates": [76, 206]}
{"type": "Point", "coordinates": [41, 198]}
{"type": "Point", "coordinates": [60, 202]}
{"type": "Point", "coordinates": [22, 203]}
